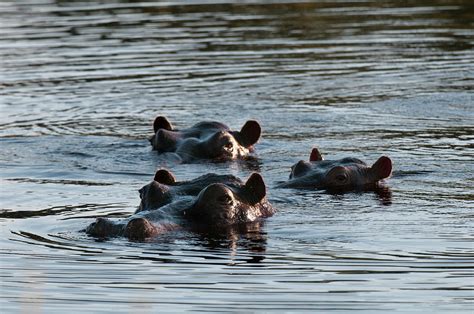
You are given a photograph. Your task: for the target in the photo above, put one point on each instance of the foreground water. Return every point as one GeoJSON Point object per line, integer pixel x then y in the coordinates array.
{"type": "Point", "coordinates": [81, 82]}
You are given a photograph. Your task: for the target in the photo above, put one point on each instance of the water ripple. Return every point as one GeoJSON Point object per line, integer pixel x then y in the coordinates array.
{"type": "Point", "coordinates": [81, 82]}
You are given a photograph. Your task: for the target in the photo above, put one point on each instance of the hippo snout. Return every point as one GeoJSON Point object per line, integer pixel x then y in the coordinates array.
{"type": "Point", "coordinates": [102, 228]}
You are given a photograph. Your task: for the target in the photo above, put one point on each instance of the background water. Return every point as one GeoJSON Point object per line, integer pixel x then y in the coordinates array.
{"type": "Point", "coordinates": [81, 82]}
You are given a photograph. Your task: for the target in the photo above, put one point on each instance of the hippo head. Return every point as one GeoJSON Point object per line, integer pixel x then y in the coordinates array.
{"type": "Point", "coordinates": [211, 140]}
{"type": "Point", "coordinates": [343, 174]}
{"type": "Point", "coordinates": [221, 144]}
{"type": "Point", "coordinates": [221, 205]}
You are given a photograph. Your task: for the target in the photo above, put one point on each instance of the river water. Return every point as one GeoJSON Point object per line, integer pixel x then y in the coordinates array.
{"type": "Point", "coordinates": [80, 85]}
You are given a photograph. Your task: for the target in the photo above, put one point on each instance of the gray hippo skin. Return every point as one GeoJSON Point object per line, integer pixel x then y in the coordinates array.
{"type": "Point", "coordinates": [338, 175]}
{"type": "Point", "coordinates": [210, 201]}
{"type": "Point", "coordinates": [205, 140]}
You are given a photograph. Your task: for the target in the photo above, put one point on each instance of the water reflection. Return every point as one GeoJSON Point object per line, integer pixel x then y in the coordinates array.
{"type": "Point", "coordinates": [384, 194]}
{"type": "Point", "coordinates": [251, 236]}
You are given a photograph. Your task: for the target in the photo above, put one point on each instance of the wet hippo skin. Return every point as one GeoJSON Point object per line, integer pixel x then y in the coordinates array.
{"type": "Point", "coordinates": [210, 201]}
{"type": "Point", "coordinates": [337, 175]}
{"type": "Point", "coordinates": [205, 140]}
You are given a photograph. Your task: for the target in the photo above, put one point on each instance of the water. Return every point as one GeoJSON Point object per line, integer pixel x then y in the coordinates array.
{"type": "Point", "coordinates": [81, 82]}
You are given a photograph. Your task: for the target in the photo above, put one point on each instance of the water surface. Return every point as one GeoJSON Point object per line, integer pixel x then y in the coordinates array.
{"type": "Point", "coordinates": [81, 82]}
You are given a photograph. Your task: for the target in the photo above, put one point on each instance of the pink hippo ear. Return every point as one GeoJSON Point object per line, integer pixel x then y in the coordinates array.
{"type": "Point", "coordinates": [382, 168]}
{"type": "Point", "coordinates": [315, 155]}
{"type": "Point", "coordinates": [250, 133]}
{"type": "Point", "coordinates": [162, 123]}
{"type": "Point", "coordinates": [255, 188]}
{"type": "Point", "coordinates": [165, 177]}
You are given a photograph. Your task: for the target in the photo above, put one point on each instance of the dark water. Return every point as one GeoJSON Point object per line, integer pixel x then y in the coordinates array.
{"type": "Point", "coordinates": [81, 82]}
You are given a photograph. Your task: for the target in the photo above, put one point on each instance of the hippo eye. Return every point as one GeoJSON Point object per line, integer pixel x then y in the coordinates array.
{"type": "Point", "coordinates": [225, 199]}
{"type": "Point", "coordinates": [341, 178]}
{"type": "Point", "coordinates": [228, 145]}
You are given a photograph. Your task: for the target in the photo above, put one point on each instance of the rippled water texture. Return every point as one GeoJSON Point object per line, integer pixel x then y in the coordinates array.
{"type": "Point", "coordinates": [81, 82]}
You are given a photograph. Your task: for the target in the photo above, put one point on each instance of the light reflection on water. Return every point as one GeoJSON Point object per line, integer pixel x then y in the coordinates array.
{"type": "Point", "coordinates": [82, 81]}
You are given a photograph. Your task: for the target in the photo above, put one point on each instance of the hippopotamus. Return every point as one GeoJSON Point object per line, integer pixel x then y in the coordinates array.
{"type": "Point", "coordinates": [337, 175]}
{"type": "Point", "coordinates": [205, 140]}
{"type": "Point", "coordinates": [209, 201]}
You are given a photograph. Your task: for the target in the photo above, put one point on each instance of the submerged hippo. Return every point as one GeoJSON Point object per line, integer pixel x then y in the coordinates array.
{"type": "Point", "coordinates": [210, 202]}
{"type": "Point", "coordinates": [205, 140]}
{"type": "Point", "coordinates": [339, 175]}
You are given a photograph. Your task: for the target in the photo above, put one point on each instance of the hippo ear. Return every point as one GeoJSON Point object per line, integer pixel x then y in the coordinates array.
{"type": "Point", "coordinates": [250, 133]}
{"type": "Point", "coordinates": [162, 123]}
{"type": "Point", "coordinates": [255, 188]}
{"type": "Point", "coordinates": [382, 168]}
{"type": "Point", "coordinates": [165, 177]}
{"type": "Point", "coordinates": [315, 155]}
